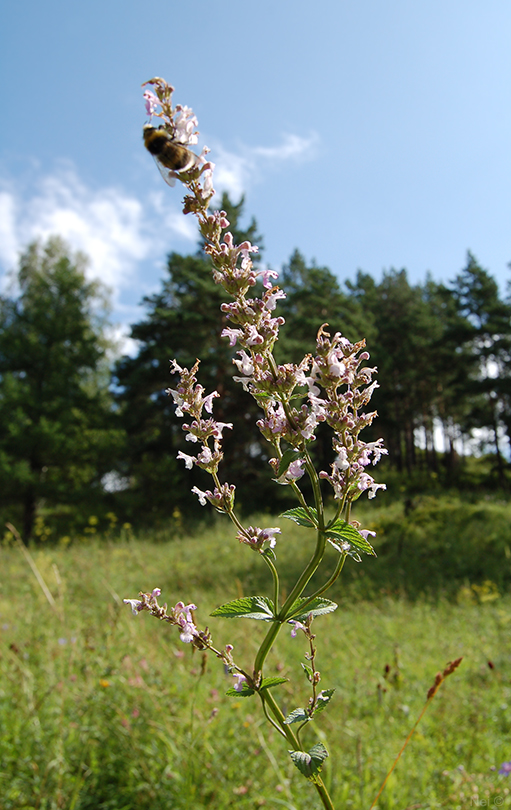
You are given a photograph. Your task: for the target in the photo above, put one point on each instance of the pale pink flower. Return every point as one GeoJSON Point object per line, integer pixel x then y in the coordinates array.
{"type": "Point", "coordinates": [188, 460]}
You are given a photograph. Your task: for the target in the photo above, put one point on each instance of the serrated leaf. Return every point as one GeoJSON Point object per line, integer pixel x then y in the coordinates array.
{"type": "Point", "coordinates": [318, 607]}
{"type": "Point", "coordinates": [289, 456]}
{"type": "Point", "coordinates": [296, 716]}
{"type": "Point", "coordinates": [341, 530]}
{"type": "Point", "coordinates": [310, 763]}
{"type": "Point", "coordinates": [323, 699]}
{"type": "Point", "coordinates": [248, 607]}
{"type": "Point", "coordinates": [245, 691]}
{"type": "Point", "coordinates": [350, 551]}
{"type": "Point", "coordinates": [269, 683]}
{"type": "Point", "coordinates": [308, 672]}
{"type": "Point", "coordinates": [301, 516]}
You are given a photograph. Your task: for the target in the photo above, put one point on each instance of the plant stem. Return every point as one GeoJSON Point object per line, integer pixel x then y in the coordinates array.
{"type": "Point", "coordinates": [293, 740]}
{"type": "Point", "coordinates": [305, 576]}
{"type": "Point", "coordinates": [328, 583]}
{"type": "Point", "coordinates": [266, 646]}
{"type": "Point", "coordinates": [275, 576]}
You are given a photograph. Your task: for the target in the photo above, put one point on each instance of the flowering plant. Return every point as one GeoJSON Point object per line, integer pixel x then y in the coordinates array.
{"type": "Point", "coordinates": [333, 387]}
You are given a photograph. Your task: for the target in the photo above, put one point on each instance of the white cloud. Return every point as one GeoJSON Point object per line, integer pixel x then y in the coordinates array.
{"type": "Point", "coordinates": [236, 171]}
{"type": "Point", "coordinates": [115, 230]}
{"type": "Point", "coordinates": [125, 237]}
{"type": "Point", "coordinates": [121, 341]}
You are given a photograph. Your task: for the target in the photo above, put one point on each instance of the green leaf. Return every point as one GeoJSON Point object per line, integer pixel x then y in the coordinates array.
{"type": "Point", "coordinates": [323, 699]}
{"type": "Point", "coordinates": [318, 607]}
{"type": "Point", "coordinates": [248, 607]}
{"type": "Point", "coordinates": [308, 671]}
{"type": "Point", "coordinates": [297, 716]}
{"type": "Point", "coordinates": [289, 456]}
{"type": "Point", "coordinates": [301, 516]}
{"type": "Point", "coordinates": [342, 530]}
{"type": "Point", "coordinates": [269, 552]}
{"type": "Point", "coordinates": [310, 763]}
{"type": "Point", "coordinates": [268, 683]}
{"type": "Point", "coordinates": [260, 395]}
{"type": "Point", "coordinates": [350, 551]}
{"type": "Point", "coordinates": [245, 691]}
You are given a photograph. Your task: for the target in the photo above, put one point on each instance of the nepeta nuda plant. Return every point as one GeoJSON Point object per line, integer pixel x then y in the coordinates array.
{"type": "Point", "coordinates": [333, 386]}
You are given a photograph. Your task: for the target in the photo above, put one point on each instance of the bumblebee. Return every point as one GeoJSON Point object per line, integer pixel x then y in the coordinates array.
{"type": "Point", "coordinates": [170, 156]}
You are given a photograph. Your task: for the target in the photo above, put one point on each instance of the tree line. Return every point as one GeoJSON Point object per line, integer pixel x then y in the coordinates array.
{"type": "Point", "coordinates": [83, 434]}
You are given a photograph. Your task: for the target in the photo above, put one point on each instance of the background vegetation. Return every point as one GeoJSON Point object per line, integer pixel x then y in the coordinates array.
{"type": "Point", "coordinates": [82, 435]}
{"type": "Point", "coordinates": [102, 710]}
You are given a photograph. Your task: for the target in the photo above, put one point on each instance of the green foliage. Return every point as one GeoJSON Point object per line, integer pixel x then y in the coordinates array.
{"type": "Point", "coordinates": [318, 607]}
{"type": "Point", "coordinates": [303, 517]}
{"type": "Point", "coordinates": [310, 763]}
{"type": "Point", "coordinates": [342, 530]}
{"type": "Point", "coordinates": [433, 345]}
{"type": "Point", "coordinates": [434, 545]}
{"type": "Point", "coordinates": [100, 710]}
{"type": "Point", "coordinates": [313, 297]}
{"type": "Point", "coordinates": [248, 607]}
{"type": "Point", "coordinates": [58, 432]}
{"type": "Point", "coordinates": [304, 715]}
{"type": "Point", "coordinates": [443, 354]}
{"type": "Point", "coordinates": [247, 691]}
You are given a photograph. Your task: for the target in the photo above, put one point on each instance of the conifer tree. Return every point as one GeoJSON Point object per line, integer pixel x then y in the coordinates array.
{"type": "Point", "coordinates": [57, 431]}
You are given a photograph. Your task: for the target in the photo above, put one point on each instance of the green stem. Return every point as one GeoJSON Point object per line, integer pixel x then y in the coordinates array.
{"type": "Point", "coordinates": [275, 576]}
{"type": "Point", "coordinates": [305, 576]}
{"type": "Point", "coordinates": [275, 709]}
{"type": "Point", "coordinates": [323, 794]}
{"type": "Point", "coordinates": [297, 591]}
{"type": "Point", "coordinates": [266, 646]}
{"type": "Point", "coordinates": [293, 740]}
{"type": "Point", "coordinates": [328, 583]}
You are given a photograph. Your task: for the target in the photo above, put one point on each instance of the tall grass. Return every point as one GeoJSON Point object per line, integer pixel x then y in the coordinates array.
{"type": "Point", "coordinates": [99, 709]}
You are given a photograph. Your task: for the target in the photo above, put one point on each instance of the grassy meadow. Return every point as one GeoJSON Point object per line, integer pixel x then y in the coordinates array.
{"type": "Point", "coordinates": [101, 710]}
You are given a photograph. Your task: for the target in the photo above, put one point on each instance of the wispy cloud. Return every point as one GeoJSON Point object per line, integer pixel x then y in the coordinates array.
{"type": "Point", "coordinates": [237, 171]}
{"type": "Point", "coordinates": [123, 234]}
{"type": "Point", "coordinates": [116, 230]}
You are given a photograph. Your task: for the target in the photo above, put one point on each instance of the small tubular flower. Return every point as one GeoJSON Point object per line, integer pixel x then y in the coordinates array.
{"type": "Point", "coordinates": [255, 537]}
{"type": "Point", "coordinates": [240, 680]}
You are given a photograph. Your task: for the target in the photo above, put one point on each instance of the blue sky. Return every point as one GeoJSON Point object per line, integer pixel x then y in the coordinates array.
{"type": "Point", "coordinates": [368, 134]}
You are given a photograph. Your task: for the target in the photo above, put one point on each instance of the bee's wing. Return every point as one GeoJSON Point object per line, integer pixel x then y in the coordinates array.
{"type": "Point", "coordinates": [167, 174]}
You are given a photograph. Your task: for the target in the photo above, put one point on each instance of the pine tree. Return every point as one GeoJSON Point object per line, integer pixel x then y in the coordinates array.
{"type": "Point", "coordinates": [487, 335]}
{"type": "Point", "coordinates": [57, 431]}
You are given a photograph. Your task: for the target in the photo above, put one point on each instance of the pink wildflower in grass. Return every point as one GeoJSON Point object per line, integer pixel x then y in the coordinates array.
{"type": "Point", "coordinates": [240, 681]}
{"type": "Point", "coordinates": [183, 615]}
{"type": "Point", "coordinates": [135, 604]}
{"type": "Point", "coordinates": [255, 537]}
{"type": "Point", "coordinates": [296, 627]}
